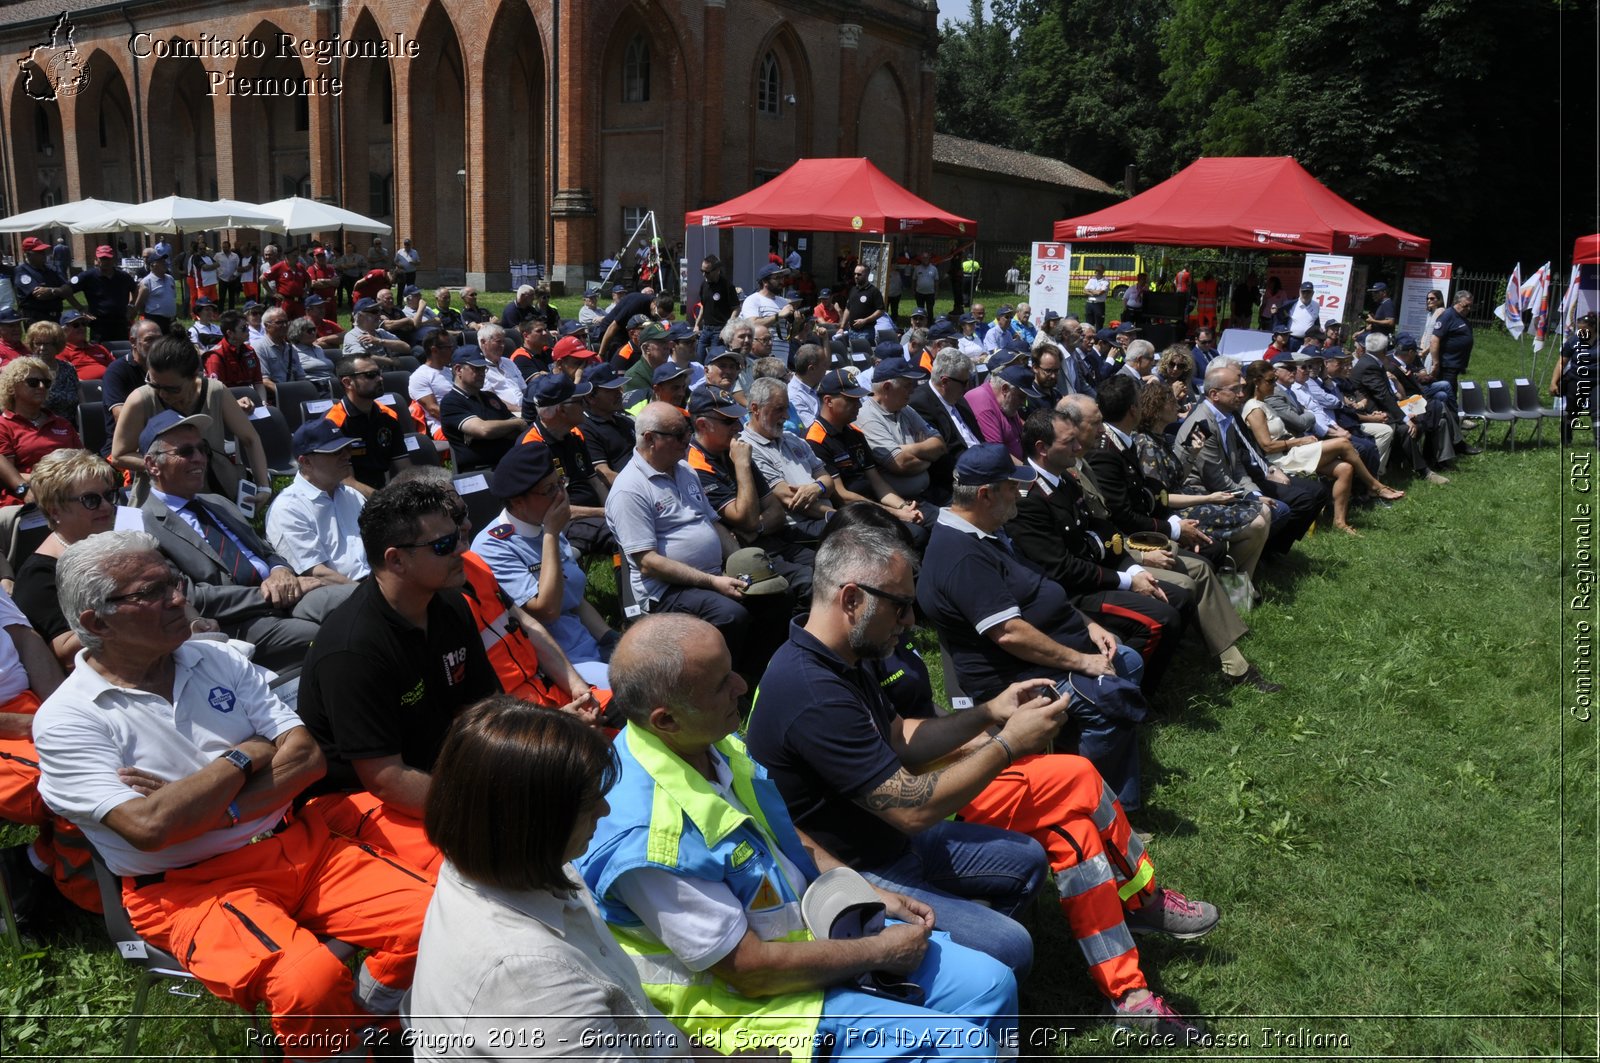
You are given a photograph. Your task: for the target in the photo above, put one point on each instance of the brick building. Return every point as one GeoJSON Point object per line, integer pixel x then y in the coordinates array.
{"type": "Point", "coordinates": [486, 130]}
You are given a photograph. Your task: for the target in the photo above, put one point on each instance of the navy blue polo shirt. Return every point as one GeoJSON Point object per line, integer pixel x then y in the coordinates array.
{"type": "Point", "coordinates": [1455, 339]}
{"type": "Point", "coordinates": [970, 583]}
{"type": "Point", "coordinates": [107, 297]}
{"type": "Point", "coordinates": [821, 728]}
{"type": "Point", "coordinates": [718, 478]}
{"type": "Point", "coordinates": [845, 453]}
{"type": "Point", "coordinates": [122, 377]}
{"type": "Point", "coordinates": [458, 407]}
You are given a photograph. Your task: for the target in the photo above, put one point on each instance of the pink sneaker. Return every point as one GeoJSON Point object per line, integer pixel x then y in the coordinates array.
{"type": "Point", "coordinates": [1171, 913]}
{"type": "Point", "coordinates": [1156, 1016]}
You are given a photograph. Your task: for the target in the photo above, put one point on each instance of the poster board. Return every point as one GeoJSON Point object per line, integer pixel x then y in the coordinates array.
{"type": "Point", "coordinates": [1330, 278]}
{"type": "Point", "coordinates": [874, 255]}
{"type": "Point", "coordinates": [1421, 278]}
{"type": "Point", "coordinates": [1049, 277]}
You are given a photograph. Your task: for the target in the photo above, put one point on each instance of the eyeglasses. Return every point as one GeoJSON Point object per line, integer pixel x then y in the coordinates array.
{"type": "Point", "coordinates": [160, 591]}
{"type": "Point", "coordinates": [162, 389]}
{"type": "Point", "coordinates": [903, 606]}
{"type": "Point", "coordinates": [36, 382]}
{"type": "Point", "coordinates": [93, 499]}
{"type": "Point", "coordinates": [443, 546]}
{"type": "Point", "coordinates": [190, 450]}
{"type": "Point", "coordinates": [554, 489]}
{"type": "Point", "coordinates": [678, 437]}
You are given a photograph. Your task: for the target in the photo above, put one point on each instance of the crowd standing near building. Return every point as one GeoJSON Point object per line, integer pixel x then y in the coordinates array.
{"type": "Point", "coordinates": [273, 712]}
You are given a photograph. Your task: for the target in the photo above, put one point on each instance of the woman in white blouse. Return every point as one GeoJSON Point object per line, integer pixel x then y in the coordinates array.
{"type": "Point", "coordinates": [515, 961]}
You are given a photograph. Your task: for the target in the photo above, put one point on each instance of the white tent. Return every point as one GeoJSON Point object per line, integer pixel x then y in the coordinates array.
{"type": "Point", "coordinates": [176, 214]}
{"type": "Point", "coordinates": [59, 215]}
{"type": "Point", "coordinates": [298, 216]}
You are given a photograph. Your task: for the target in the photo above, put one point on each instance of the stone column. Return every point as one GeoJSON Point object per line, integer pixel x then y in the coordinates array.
{"type": "Point", "coordinates": [849, 87]}
{"type": "Point", "coordinates": [574, 255]}
{"type": "Point", "coordinates": [715, 70]}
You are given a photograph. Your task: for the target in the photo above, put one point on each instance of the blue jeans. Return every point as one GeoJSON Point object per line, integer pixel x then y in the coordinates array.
{"type": "Point", "coordinates": [1112, 745]}
{"type": "Point", "coordinates": [953, 864]}
{"type": "Point", "coordinates": [970, 1008]}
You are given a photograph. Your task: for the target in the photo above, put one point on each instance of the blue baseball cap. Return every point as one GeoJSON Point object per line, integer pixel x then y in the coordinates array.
{"type": "Point", "coordinates": [897, 368]}
{"type": "Point", "coordinates": [888, 349]}
{"type": "Point", "coordinates": [1404, 341]}
{"type": "Point", "coordinates": [710, 400]}
{"type": "Point", "coordinates": [320, 436]}
{"type": "Point", "coordinates": [771, 269]}
{"type": "Point", "coordinates": [603, 376]}
{"type": "Point", "coordinates": [411, 289]}
{"type": "Point", "coordinates": [841, 382]}
{"type": "Point", "coordinates": [365, 306]}
{"type": "Point", "coordinates": [166, 421]}
{"type": "Point", "coordinates": [1005, 311]}
{"type": "Point", "coordinates": [990, 463]}
{"type": "Point", "coordinates": [1378, 286]}
{"type": "Point", "coordinates": [680, 332]}
{"type": "Point", "coordinates": [70, 317]}
{"type": "Point", "coordinates": [1127, 328]}
{"type": "Point", "coordinates": [1104, 335]}
{"type": "Point", "coordinates": [8, 316]}
{"type": "Point", "coordinates": [941, 330]}
{"type": "Point", "coordinates": [667, 371]}
{"type": "Point", "coordinates": [521, 470]}
{"type": "Point", "coordinates": [968, 319]}
{"type": "Point", "coordinates": [469, 356]}
{"type": "Point", "coordinates": [553, 389]}
{"type": "Point", "coordinates": [1280, 330]}
{"type": "Point", "coordinates": [1051, 315]}
{"type": "Point", "coordinates": [618, 289]}
{"type": "Point", "coordinates": [311, 300]}
{"type": "Point", "coordinates": [1020, 376]}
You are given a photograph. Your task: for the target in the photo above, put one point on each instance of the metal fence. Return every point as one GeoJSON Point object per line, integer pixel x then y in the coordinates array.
{"type": "Point", "coordinates": [1489, 291]}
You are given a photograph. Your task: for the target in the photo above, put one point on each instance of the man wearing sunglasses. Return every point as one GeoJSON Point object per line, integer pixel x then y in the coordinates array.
{"type": "Point", "coordinates": [236, 579]}
{"type": "Point", "coordinates": [391, 669]}
{"type": "Point", "coordinates": [361, 416]}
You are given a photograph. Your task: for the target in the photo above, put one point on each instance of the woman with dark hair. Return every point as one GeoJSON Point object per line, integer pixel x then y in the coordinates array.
{"type": "Point", "coordinates": [173, 381]}
{"type": "Point", "coordinates": [1242, 524]}
{"type": "Point", "coordinates": [511, 930]}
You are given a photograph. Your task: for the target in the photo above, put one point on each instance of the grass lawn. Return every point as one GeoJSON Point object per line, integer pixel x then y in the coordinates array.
{"type": "Point", "coordinates": [1402, 843]}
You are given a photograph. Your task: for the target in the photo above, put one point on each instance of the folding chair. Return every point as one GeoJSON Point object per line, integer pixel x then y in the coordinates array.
{"type": "Point", "coordinates": [405, 361]}
{"type": "Point", "coordinates": [292, 394]}
{"type": "Point", "coordinates": [89, 390]}
{"type": "Point", "coordinates": [276, 441]}
{"type": "Point", "coordinates": [92, 422]}
{"type": "Point", "coordinates": [1500, 410]}
{"type": "Point", "coordinates": [1527, 407]}
{"type": "Point", "coordinates": [314, 409]}
{"type": "Point", "coordinates": [397, 381]}
{"type": "Point", "coordinates": [482, 505]}
{"type": "Point", "coordinates": [1473, 407]}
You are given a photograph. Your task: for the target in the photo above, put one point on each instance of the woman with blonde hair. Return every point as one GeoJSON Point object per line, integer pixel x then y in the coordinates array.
{"type": "Point", "coordinates": [28, 431]}
{"type": "Point", "coordinates": [47, 340]}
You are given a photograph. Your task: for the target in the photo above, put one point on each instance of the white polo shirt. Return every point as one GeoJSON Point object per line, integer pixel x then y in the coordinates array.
{"type": "Point", "coordinates": [13, 677]}
{"type": "Point", "coordinates": [88, 729]}
{"type": "Point", "coordinates": [310, 527]}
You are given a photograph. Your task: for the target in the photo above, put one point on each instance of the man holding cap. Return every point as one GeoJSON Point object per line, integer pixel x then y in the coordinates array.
{"type": "Point", "coordinates": [40, 289]}
{"type": "Point", "coordinates": [366, 338]}
{"type": "Point", "coordinates": [314, 522]}
{"type": "Point", "coordinates": [608, 433]}
{"type": "Point", "coordinates": [557, 405]}
{"type": "Point", "coordinates": [1002, 620]}
{"type": "Point", "coordinates": [235, 578]}
{"type": "Point", "coordinates": [714, 917]}
{"type": "Point", "coordinates": [1304, 313]}
{"type": "Point", "coordinates": [477, 424]}
{"type": "Point", "coordinates": [109, 293]}
{"type": "Point", "coordinates": [391, 669]}
{"type": "Point", "coordinates": [997, 404]}
{"type": "Point", "coordinates": [903, 444]}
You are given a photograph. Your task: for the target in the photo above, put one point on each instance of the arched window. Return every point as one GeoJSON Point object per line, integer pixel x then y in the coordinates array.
{"type": "Point", "coordinates": [769, 86]}
{"type": "Point", "coordinates": [43, 142]}
{"type": "Point", "coordinates": [636, 70]}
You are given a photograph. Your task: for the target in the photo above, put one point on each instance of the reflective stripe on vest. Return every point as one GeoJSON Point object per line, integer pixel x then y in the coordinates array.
{"type": "Point", "coordinates": [510, 653]}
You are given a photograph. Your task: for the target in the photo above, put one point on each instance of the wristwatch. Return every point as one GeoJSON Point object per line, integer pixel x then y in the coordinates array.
{"type": "Point", "coordinates": [19, 491]}
{"type": "Point", "coordinates": [239, 759]}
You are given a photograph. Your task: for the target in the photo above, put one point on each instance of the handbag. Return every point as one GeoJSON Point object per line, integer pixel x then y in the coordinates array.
{"type": "Point", "coordinates": [1241, 590]}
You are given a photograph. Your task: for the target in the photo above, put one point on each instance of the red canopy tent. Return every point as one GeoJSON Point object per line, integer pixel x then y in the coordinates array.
{"type": "Point", "coordinates": [1263, 203]}
{"type": "Point", "coordinates": [833, 195]}
{"type": "Point", "coordinates": [1586, 250]}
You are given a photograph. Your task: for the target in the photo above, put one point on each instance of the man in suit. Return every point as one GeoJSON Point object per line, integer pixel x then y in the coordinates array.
{"type": "Point", "coordinates": [1226, 459]}
{"type": "Point", "coordinates": [1306, 420]}
{"type": "Point", "coordinates": [238, 580]}
{"type": "Point", "coordinates": [1371, 381]}
{"type": "Point", "coordinates": [941, 400]}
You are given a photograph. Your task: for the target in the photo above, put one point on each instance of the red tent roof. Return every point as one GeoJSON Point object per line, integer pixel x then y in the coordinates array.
{"type": "Point", "coordinates": [833, 195]}
{"type": "Point", "coordinates": [1264, 203]}
{"type": "Point", "coordinates": [1586, 250]}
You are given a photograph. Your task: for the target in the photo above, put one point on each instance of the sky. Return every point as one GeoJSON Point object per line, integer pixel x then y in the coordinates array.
{"type": "Point", "coordinates": [955, 9]}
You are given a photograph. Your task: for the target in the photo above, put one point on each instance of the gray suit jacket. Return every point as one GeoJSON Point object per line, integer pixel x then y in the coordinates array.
{"type": "Point", "coordinates": [213, 593]}
{"type": "Point", "coordinates": [1296, 418]}
{"type": "Point", "coordinates": [1220, 468]}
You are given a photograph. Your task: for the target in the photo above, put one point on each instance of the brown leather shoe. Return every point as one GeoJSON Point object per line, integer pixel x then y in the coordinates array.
{"type": "Point", "coordinates": [1252, 677]}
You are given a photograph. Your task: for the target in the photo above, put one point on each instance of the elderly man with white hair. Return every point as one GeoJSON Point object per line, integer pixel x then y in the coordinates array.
{"type": "Point", "coordinates": [1370, 380]}
{"type": "Point", "coordinates": [503, 378]}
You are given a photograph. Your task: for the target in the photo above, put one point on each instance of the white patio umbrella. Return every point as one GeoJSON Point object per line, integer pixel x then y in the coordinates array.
{"type": "Point", "coordinates": [298, 216]}
{"type": "Point", "coordinates": [60, 214]}
{"type": "Point", "coordinates": [176, 214]}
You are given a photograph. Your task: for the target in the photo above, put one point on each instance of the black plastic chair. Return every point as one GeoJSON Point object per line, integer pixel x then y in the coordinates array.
{"type": "Point", "coordinates": [1473, 407]}
{"type": "Point", "coordinates": [90, 390]}
{"type": "Point", "coordinates": [276, 442]}
{"type": "Point", "coordinates": [312, 409]}
{"type": "Point", "coordinates": [397, 381]}
{"type": "Point", "coordinates": [1500, 411]}
{"type": "Point", "coordinates": [291, 394]}
{"type": "Point", "coordinates": [405, 361]}
{"type": "Point", "coordinates": [92, 423]}
{"type": "Point", "coordinates": [1528, 408]}
{"type": "Point", "coordinates": [473, 487]}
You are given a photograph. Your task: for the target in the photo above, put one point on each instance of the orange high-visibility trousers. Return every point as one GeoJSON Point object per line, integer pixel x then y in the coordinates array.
{"type": "Point", "coordinates": [60, 846]}
{"type": "Point", "coordinates": [247, 925]}
{"type": "Point", "coordinates": [1101, 868]}
{"type": "Point", "coordinates": [362, 817]}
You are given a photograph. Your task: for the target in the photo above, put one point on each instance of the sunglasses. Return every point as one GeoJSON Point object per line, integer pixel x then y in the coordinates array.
{"type": "Point", "coordinates": [370, 374]}
{"type": "Point", "coordinates": [903, 606]}
{"type": "Point", "coordinates": [679, 436]}
{"type": "Point", "coordinates": [36, 382]}
{"type": "Point", "coordinates": [190, 450]}
{"type": "Point", "coordinates": [163, 389]}
{"type": "Point", "coordinates": [93, 499]}
{"type": "Point", "coordinates": [443, 546]}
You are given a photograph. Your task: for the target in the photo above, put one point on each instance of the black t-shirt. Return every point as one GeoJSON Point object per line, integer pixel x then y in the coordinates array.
{"type": "Point", "coordinates": [382, 439]}
{"type": "Point", "coordinates": [846, 454]}
{"type": "Point", "coordinates": [864, 300]}
{"type": "Point", "coordinates": [122, 377]}
{"type": "Point", "coordinates": [610, 440]}
{"type": "Point", "coordinates": [718, 302]}
{"type": "Point", "coordinates": [375, 685]}
{"type": "Point", "coordinates": [36, 595]}
{"type": "Point", "coordinates": [29, 280]}
{"type": "Point", "coordinates": [107, 297]}
{"type": "Point", "coordinates": [966, 583]}
{"type": "Point", "coordinates": [719, 480]}
{"type": "Point", "coordinates": [620, 312]}
{"type": "Point", "coordinates": [1455, 339]}
{"type": "Point", "coordinates": [821, 729]}
{"type": "Point", "coordinates": [458, 407]}
{"type": "Point", "coordinates": [571, 456]}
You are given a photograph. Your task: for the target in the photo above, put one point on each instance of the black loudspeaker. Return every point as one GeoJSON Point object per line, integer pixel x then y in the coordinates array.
{"type": "Point", "coordinates": [1165, 304]}
{"type": "Point", "coordinates": [1162, 334]}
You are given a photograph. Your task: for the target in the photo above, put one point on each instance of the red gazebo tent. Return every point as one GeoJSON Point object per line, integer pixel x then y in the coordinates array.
{"type": "Point", "coordinates": [1586, 250]}
{"type": "Point", "coordinates": [1270, 204]}
{"type": "Point", "coordinates": [833, 195]}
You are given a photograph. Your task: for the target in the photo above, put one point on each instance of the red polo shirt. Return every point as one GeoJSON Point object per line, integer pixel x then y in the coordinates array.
{"type": "Point", "coordinates": [233, 366]}
{"type": "Point", "coordinates": [292, 282]}
{"type": "Point", "coordinates": [91, 360]}
{"type": "Point", "coordinates": [24, 442]}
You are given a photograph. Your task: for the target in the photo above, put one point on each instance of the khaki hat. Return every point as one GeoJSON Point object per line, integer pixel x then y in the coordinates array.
{"type": "Point", "coordinates": [754, 568]}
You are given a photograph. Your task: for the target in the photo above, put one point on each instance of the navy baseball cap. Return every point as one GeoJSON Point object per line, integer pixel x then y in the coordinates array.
{"type": "Point", "coordinates": [990, 463]}
{"type": "Point", "coordinates": [918, 311]}
{"type": "Point", "coordinates": [968, 319]}
{"type": "Point", "coordinates": [710, 400]}
{"type": "Point", "coordinates": [1104, 335]}
{"type": "Point", "coordinates": [1378, 286]}
{"type": "Point", "coordinates": [70, 317]}
{"type": "Point", "coordinates": [1005, 311]}
{"type": "Point", "coordinates": [9, 316]}
{"type": "Point", "coordinates": [1333, 322]}
{"type": "Point", "coordinates": [166, 421]}
{"type": "Point", "coordinates": [1020, 376]}
{"type": "Point", "coordinates": [1051, 315]}
{"type": "Point", "coordinates": [1405, 341]}
{"type": "Point", "coordinates": [942, 330]}
{"type": "Point", "coordinates": [897, 368]}
{"type": "Point", "coordinates": [887, 349]}
{"type": "Point", "coordinates": [824, 294]}
{"type": "Point", "coordinates": [999, 359]}
{"type": "Point", "coordinates": [203, 302]}
{"type": "Point", "coordinates": [603, 376]}
{"type": "Point", "coordinates": [724, 353]}
{"type": "Point", "coordinates": [618, 289]}
{"type": "Point", "coordinates": [366, 306]}
{"type": "Point", "coordinates": [591, 293]}
{"type": "Point", "coordinates": [469, 356]}
{"type": "Point", "coordinates": [521, 470]}
{"type": "Point", "coordinates": [1307, 286]}
{"type": "Point", "coordinates": [771, 269]}
{"type": "Point", "coordinates": [311, 300]}
{"type": "Point", "coordinates": [667, 371]}
{"type": "Point", "coordinates": [1127, 328]}
{"type": "Point", "coordinates": [1280, 330]}
{"type": "Point", "coordinates": [251, 304]}
{"type": "Point", "coordinates": [572, 328]}
{"type": "Point", "coordinates": [321, 436]}
{"type": "Point", "coordinates": [1286, 359]}
{"type": "Point", "coordinates": [841, 382]}
{"type": "Point", "coordinates": [680, 332]}
{"type": "Point", "coordinates": [553, 389]}
{"type": "Point", "coordinates": [411, 289]}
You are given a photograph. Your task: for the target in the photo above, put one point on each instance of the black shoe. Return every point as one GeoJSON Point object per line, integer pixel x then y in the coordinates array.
{"type": "Point", "coordinates": [1464, 449]}
{"type": "Point", "coordinates": [1252, 677]}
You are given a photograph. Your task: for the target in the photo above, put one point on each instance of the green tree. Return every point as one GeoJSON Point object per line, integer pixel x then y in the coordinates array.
{"type": "Point", "coordinates": [971, 96]}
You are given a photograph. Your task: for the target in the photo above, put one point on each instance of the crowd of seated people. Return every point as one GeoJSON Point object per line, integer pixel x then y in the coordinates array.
{"type": "Point", "coordinates": [338, 709]}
